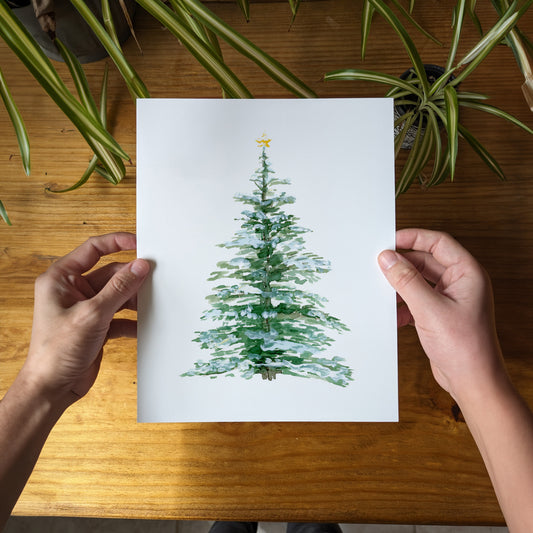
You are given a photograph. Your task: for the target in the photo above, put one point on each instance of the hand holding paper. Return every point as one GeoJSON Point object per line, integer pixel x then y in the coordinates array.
{"type": "Point", "coordinates": [448, 299]}
{"type": "Point", "coordinates": [74, 314]}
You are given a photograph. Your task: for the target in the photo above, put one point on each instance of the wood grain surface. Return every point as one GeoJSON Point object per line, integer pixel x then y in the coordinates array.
{"type": "Point", "coordinates": [425, 469]}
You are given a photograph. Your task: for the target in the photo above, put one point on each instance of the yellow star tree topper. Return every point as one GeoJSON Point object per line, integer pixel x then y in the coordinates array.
{"type": "Point", "coordinates": [263, 141]}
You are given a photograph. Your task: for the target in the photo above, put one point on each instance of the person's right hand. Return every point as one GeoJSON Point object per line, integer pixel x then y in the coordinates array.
{"type": "Point", "coordinates": [448, 298]}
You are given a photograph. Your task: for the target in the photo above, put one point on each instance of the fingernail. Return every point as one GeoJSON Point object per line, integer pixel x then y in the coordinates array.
{"type": "Point", "coordinates": [387, 259]}
{"type": "Point", "coordinates": [139, 267]}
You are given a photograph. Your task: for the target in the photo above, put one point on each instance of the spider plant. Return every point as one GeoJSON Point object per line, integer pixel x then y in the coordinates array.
{"type": "Point", "coordinates": [432, 106]}
{"type": "Point", "coordinates": [196, 27]}
{"type": "Point", "coordinates": [516, 40]}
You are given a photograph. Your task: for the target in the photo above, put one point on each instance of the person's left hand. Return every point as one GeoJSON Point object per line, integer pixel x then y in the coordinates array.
{"type": "Point", "coordinates": [73, 315]}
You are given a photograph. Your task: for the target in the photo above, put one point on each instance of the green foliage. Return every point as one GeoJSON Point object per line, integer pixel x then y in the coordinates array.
{"type": "Point", "coordinates": [428, 109]}
{"type": "Point", "coordinates": [194, 25]}
{"type": "Point", "coordinates": [268, 323]}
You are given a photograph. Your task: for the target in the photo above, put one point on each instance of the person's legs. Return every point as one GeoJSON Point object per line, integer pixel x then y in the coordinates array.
{"type": "Point", "coordinates": [234, 527]}
{"type": "Point", "coordinates": [294, 527]}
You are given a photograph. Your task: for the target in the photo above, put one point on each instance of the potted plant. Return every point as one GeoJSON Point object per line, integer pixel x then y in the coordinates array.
{"type": "Point", "coordinates": [515, 39]}
{"type": "Point", "coordinates": [197, 28]}
{"type": "Point", "coordinates": [431, 105]}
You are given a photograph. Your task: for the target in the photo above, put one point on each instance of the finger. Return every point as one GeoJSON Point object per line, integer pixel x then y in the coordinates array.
{"type": "Point", "coordinates": [98, 278]}
{"type": "Point", "coordinates": [407, 281]}
{"type": "Point", "coordinates": [85, 256]}
{"type": "Point", "coordinates": [121, 327]}
{"type": "Point", "coordinates": [444, 248]}
{"type": "Point", "coordinates": [122, 286]}
{"type": "Point", "coordinates": [426, 264]}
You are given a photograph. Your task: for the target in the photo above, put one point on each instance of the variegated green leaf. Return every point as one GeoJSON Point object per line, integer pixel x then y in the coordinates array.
{"type": "Point", "coordinates": [480, 106]}
{"type": "Point", "coordinates": [197, 47]}
{"type": "Point", "coordinates": [482, 152]}
{"type": "Point", "coordinates": [109, 23]}
{"type": "Point", "coordinates": [366, 21]}
{"type": "Point", "coordinates": [79, 78]}
{"type": "Point", "coordinates": [404, 123]}
{"type": "Point", "coordinates": [114, 165]}
{"type": "Point", "coordinates": [3, 214]}
{"type": "Point", "coordinates": [245, 8]}
{"type": "Point", "coordinates": [18, 124]}
{"type": "Point", "coordinates": [407, 15]}
{"type": "Point", "coordinates": [271, 66]}
{"type": "Point", "coordinates": [418, 158]}
{"type": "Point", "coordinates": [452, 123]}
{"type": "Point", "coordinates": [439, 154]}
{"type": "Point", "coordinates": [132, 79]}
{"type": "Point", "coordinates": [377, 77]}
{"type": "Point", "coordinates": [85, 176]}
{"type": "Point", "coordinates": [408, 43]}
{"type": "Point", "coordinates": [459, 15]}
{"type": "Point", "coordinates": [471, 10]}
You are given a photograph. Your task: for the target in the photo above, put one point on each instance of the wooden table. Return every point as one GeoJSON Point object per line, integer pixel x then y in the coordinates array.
{"type": "Point", "coordinates": [425, 469]}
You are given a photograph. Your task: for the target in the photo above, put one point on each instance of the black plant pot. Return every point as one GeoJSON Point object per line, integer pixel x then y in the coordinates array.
{"type": "Point", "coordinates": [72, 29]}
{"type": "Point", "coordinates": [433, 73]}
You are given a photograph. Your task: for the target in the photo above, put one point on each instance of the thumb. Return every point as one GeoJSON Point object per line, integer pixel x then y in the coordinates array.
{"type": "Point", "coordinates": [122, 286]}
{"type": "Point", "coordinates": [407, 281]}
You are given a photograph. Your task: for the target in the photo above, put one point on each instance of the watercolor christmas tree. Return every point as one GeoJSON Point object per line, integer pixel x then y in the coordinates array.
{"type": "Point", "coordinates": [268, 323]}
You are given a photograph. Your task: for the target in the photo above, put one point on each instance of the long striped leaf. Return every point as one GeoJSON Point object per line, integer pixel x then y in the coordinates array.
{"type": "Point", "coordinates": [79, 78]}
{"type": "Point", "coordinates": [377, 77]}
{"type": "Point", "coordinates": [294, 5]}
{"type": "Point", "coordinates": [473, 97]}
{"type": "Point", "coordinates": [482, 152]}
{"type": "Point", "coordinates": [271, 66]}
{"type": "Point", "coordinates": [405, 121]}
{"type": "Point", "coordinates": [408, 43]}
{"type": "Point", "coordinates": [459, 15]}
{"type": "Point", "coordinates": [205, 34]}
{"type": "Point", "coordinates": [407, 15]}
{"type": "Point", "coordinates": [441, 172]}
{"type": "Point", "coordinates": [114, 165]}
{"type": "Point", "coordinates": [471, 10]}
{"type": "Point", "coordinates": [201, 51]}
{"type": "Point", "coordinates": [94, 161]}
{"type": "Point", "coordinates": [85, 176]}
{"type": "Point", "coordinates": [18, 124]}
{"type": "Point", "coordinates": [109, 23]}
{"type": "Point", "coordinates": [480, 106]}
{"type": "Point", "coordinates": [418, 157]}
{"type": "Point", "coordinates": [3, 214]}
{"type": "Point", "coordinates": [132, 79]}
{"type": "Point", "coordinates": [245, 8]}
{"type": "Point", "coordinates": [452, 122]}
{"type": "Point", "coordinates": [366, 21]}
{"type": "Point", "coordinates": [527, 90]}
{"type": "Point", "coordinates": [439, 154]}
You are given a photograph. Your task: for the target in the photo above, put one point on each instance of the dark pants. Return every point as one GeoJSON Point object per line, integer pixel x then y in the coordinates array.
{"type": "Point", "coordinates": [292, 527]}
